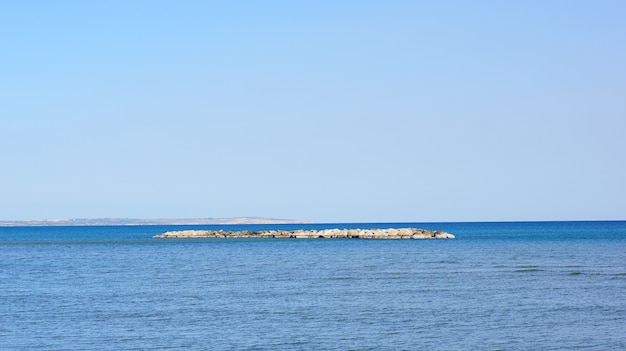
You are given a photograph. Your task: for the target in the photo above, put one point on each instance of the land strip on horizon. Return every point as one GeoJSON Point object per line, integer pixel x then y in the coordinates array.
{"type": "Point", "coordinates": [152, 221]}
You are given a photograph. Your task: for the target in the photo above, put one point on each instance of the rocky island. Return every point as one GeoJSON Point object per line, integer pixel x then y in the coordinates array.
{"type": "Point", "coordinates": [391, 233]}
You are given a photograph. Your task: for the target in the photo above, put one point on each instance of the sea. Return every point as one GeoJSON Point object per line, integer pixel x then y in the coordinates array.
{"type": "Point", "coordinates": [496, 286]}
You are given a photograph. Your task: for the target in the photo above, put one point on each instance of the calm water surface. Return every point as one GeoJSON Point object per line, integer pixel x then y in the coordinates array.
{"type": "Point", "coordinates": [497, 286]}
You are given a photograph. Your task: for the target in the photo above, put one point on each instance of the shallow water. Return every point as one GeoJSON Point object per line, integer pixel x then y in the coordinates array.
{"type": "Point", "coordinates": [497, 286]}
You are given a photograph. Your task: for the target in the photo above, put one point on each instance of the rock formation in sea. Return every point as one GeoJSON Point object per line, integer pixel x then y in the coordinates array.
{"type": "Point", "coordinates": [391, 233]}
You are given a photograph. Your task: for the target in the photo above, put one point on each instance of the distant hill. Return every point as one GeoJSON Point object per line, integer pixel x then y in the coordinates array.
{"type": "Point", "coordinates": [153, 221]}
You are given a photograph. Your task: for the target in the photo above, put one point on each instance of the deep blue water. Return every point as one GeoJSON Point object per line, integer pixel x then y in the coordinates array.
{"type": "Point", "coordinates": [497, 286]}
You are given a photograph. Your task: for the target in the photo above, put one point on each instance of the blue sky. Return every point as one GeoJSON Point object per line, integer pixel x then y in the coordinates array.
{"type": "Point", "coordinates": [331, 111]}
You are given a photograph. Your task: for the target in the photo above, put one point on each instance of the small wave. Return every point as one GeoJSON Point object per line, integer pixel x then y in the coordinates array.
{"type": "Point", "coordinates": [618, 276]}
{"type": "Point", "coordinates": [342, 278]}
{"type": "Point", "coordinates": [525, 270]}
{"type": "Point", "coordinates": [576, 273]}
{"type": "Point", "coordinates": [528, 268]}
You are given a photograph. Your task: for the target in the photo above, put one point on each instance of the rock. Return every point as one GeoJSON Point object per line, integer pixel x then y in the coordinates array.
{"type": "Point", "coordinates": [391, 233]}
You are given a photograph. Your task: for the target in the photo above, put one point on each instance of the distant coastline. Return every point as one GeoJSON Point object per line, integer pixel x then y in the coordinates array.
{"type": "Point", "coordinates": [153, 221]}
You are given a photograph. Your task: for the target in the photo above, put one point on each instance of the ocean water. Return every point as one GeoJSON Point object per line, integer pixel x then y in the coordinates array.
{"type": "Point", "coordinates": [497, 286]}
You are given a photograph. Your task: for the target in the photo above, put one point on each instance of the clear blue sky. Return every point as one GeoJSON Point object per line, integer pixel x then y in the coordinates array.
{"type": "Point", "coordinates": [332, 111]}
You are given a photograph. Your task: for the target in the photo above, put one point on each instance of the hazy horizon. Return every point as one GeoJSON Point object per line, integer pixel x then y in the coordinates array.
{"type": "Point", "coordinates": [232, 220]}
